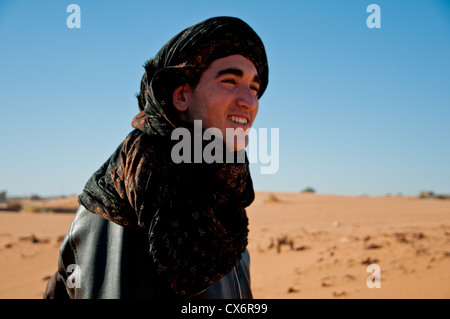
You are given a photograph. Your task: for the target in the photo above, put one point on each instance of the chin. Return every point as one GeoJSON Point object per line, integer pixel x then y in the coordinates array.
{"type": "Point", "coordinates": [238, 144]}
{"type": "Point", "coordinates": [236, 138]}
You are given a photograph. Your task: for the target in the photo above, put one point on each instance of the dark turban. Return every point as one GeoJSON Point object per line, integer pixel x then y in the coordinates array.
{"type": "Point", "coordinates": [183, 59]}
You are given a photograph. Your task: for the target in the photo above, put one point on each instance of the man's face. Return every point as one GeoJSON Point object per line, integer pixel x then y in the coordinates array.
{"type": "Point", "coordinates": [225, 97]}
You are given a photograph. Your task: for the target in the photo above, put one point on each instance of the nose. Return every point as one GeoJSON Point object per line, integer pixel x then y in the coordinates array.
{"type": "Point", "coordinates": [247, 98]}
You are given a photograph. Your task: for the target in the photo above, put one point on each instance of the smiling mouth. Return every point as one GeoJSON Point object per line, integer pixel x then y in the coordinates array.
{"type": "Point", "coordinates": [238, 119]}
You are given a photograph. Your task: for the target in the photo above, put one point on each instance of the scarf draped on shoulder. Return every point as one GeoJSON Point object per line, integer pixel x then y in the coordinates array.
{"type": "Point", "coordinates": [193, 213]}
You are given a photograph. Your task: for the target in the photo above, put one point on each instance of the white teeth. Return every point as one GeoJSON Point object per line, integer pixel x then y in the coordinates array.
{"type": "Point", "coordinates": [238, 119]}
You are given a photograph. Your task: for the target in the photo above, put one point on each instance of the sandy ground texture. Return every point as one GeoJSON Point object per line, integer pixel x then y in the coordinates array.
{"type": "Point", "coordinates": [302, 245]}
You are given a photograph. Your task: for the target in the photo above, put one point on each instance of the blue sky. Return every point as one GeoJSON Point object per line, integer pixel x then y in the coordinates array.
{"type": "Point", "coordinates": [359, 110]}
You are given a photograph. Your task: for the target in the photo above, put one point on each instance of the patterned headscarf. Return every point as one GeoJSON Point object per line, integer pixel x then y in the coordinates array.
{"type": "Point", "coordinates": [193, 214]}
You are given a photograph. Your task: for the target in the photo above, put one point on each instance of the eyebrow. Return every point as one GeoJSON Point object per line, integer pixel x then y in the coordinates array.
{"type": "Point", "coordinates": [238, 73]}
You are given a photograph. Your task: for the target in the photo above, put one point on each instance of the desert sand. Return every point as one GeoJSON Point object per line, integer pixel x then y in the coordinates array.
{"type": "Point", "coordinates": [302, 245]}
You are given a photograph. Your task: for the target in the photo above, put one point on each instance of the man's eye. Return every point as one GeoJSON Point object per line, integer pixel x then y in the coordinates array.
{"type": "Point", "coordinates": [232, 81]}
{"type": "Point", "coordinates": [254, 88]}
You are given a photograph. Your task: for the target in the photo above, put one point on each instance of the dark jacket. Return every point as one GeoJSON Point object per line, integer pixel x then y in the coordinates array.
{"type": "Point", "coordinates": [101, 259]}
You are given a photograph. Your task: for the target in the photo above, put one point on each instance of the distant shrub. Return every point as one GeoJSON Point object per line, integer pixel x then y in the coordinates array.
{"type": "Point", "coordinates": [426, 194]}
{"type": "Point", "coordinates": [13, 206]}
{"type": "Point", "coordinates": [32, 208]}
{"type": "Point", "coordinates": [29, 208]}
{"type": "Point", "coordinates": [309, 190]}
{"type": "Point", "coordinates": [271, 197]}
{"type": "Point", "coordinates": [2, 196]}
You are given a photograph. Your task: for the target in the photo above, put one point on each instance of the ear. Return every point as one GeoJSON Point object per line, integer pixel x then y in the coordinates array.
{"type": "Point", "coordinates": [179, 97]}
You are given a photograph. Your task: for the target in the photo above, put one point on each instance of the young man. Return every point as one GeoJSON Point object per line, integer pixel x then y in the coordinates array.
{"type": "Point", "coordinates": [151, 227]}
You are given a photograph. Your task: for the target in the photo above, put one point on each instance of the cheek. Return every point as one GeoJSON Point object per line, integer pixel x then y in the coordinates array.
{"type": "Point", "coordinates": [197, 106]}
{"type": "Point", "coordinates": [210, 104]}
{"type": "Point", "coordinates": [216, 105]}
{"type": "Point", "coordinates": [203, 107]}
{"type": "Point", "coordinates": [256, 107]}
{"type": "Point", "coordinates": [255, 112]}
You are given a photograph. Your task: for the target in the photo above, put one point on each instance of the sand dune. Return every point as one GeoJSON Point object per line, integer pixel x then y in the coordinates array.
{"type": "Point", "coordinates": [335, 238]}
{"type": "Point", "coordinates": [301, 245]}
